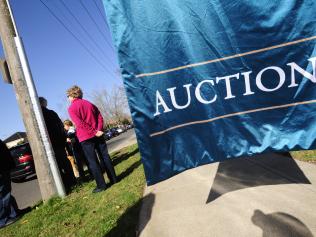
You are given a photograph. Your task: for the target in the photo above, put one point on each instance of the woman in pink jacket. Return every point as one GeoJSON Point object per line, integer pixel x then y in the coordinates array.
{"type": "Point", "coordinates": [89, 125]}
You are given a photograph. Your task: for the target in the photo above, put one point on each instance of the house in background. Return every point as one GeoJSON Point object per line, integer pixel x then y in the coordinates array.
{"type": "Point", "coordinates": [16, 139]}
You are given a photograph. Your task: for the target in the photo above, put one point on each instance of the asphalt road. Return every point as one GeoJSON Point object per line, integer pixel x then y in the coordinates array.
{"type": "Point", "coordinates": [27, 193]}
{"type": "Point", "coordinates": [123, 140]}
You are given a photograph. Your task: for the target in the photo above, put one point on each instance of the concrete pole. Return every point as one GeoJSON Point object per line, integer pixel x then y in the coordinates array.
{"type": "Point", "coordinates": [45, 164]}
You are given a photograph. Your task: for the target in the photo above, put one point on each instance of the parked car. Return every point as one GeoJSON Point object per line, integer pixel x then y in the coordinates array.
{"type": "Point", "coordinates": [114, 132]}
{"type": "Point", "coordinates": [124, 128]}
{"type": "Point", "coordinates": [108, 134]}
{"type": "Point", "coordinates": [129, 126]}
{"type": "Point", "coordinates": [24, 162]}
{"type": "Point", "coordinates": [120, 130]}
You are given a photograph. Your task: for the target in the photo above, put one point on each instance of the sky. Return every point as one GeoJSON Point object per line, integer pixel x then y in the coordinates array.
{"type": "Point", "coordinates": [57, 59]}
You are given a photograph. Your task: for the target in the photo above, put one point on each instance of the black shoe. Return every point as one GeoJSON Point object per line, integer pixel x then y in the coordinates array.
{"type": "Point", "coordinates": [23, 211]}
{"type": "Point", "coordinates": [97, 190]}
{"type": "Point", "coordinates": [113, 180]}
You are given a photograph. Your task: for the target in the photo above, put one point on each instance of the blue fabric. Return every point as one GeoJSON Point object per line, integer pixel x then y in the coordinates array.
{"type": "Point", "coordinates": [152, 36]}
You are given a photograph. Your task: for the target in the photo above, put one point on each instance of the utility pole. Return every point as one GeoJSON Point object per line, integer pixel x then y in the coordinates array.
{"type": "Point", "coordinates": [45, 164]}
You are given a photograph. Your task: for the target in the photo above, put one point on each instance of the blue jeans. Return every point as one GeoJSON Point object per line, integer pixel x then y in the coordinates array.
{"type": "Point", "coordinates": [8, 206]}
{"type": "Point", "coordinates": [94, 148]}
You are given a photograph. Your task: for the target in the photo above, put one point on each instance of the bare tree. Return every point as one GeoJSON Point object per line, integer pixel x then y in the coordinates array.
{"type": "Point", "coordinates": [112, 105]}
{"type": "Point", "coordinates": [119, 104]}
{"type": "Point", "coordinates": [101, 99]}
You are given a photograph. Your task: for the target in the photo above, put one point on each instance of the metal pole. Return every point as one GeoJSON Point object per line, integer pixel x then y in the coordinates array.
{"type": "Point", "coordinates": [46, 167]}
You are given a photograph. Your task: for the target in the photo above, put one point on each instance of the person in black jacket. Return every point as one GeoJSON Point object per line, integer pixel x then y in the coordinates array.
{"type": "Point", "coordinates": [55, 129]}
{"type": "Point", "coordinates": [8, 208]}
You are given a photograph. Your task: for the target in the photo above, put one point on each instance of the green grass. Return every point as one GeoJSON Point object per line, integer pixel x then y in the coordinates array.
{"type": "Point", "coordinates": [309, 155]}
{"type": "Point", "coordinates": [113, 212]}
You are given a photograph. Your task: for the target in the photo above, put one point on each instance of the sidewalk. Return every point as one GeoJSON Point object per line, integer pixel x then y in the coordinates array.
{"type": "Point", "coordinates": [267, 195]}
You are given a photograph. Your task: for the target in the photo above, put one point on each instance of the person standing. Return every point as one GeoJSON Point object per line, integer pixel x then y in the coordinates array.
{"type": "Point", "coordinates": [89, 124]}
{"type": "Point", "coordinates": [74, 151]}
{"type": "Point", "coordinates": [9, 212]}
{"type": "Point", "coordinates": [55, 129]}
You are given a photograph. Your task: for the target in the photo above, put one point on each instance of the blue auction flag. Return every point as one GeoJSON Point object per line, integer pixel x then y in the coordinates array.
{"type": "Point", "coordinates": [210, 80]}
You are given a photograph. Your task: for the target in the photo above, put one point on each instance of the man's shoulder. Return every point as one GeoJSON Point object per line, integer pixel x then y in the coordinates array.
{"type": "Point", "coordinates": [52, 112]}
{"type": "Point", "coordinates": [48, 112]}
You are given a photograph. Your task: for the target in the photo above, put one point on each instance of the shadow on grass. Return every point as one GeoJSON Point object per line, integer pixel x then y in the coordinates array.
{"type": "Point", "coordinates": [115, 153]}
{"type": "Point", "coordinates": [118, 158]}
{"type": "Point", "coordinates": [129, 170]}
{"type": "Point", "coordinates": [263, 169]}
{"type": "Point", "coordinates": [128, 225]}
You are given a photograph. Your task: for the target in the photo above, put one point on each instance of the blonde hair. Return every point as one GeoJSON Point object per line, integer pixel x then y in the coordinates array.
{"type": "Point", "coordinates": [75, 92]}
{"type": "Point", "coordinates": [67, 122]}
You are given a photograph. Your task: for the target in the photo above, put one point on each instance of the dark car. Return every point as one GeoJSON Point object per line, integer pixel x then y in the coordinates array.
{"type": "Point", "coordinates": [129, 126]}
{"type": "Point", "coordinates": [24, 162]}
{"type": "Point", "coordinates": [114, 132]}
{"type": "Point", "coordinates": [108, 134]}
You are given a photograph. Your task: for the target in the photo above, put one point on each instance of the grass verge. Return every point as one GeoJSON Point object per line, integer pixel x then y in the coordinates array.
{"type": "Point", "coordinates": [113, 212]}
{"type": "Point", "coordinates": [308, 155]}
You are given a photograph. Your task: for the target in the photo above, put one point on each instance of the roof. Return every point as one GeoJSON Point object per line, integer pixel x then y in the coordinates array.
{"type": "Point", "coordinates": [15, 136]}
